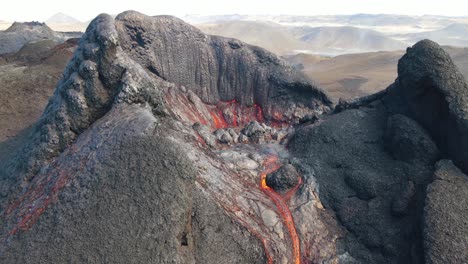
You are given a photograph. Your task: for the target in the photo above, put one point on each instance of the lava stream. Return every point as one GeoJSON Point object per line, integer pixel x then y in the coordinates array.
{"type": "Point", "coordinates": [271, 164]}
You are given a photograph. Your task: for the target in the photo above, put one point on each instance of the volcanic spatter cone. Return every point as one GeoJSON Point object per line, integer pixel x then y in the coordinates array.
{"type": "Point", "coordinates": [160, 137]}
{"type": "Point", "coordinates": [165, 145]}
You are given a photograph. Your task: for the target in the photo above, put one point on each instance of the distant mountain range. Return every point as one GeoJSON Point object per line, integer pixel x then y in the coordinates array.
{"type": "Point", "coordinates": [289, 39]}
{"type": "Point", "coordinates": [335, 35]}
{"type": "Point", "coordinates": [335, 40]}
{"type": "Point", "coordinates": [61, 18]}
{"type": "Point", "coordinates": [454, 34]}
{"type": "Point", "coordinates": [364, 20]}
{"type": "Point", "coordinates": [269, 35]}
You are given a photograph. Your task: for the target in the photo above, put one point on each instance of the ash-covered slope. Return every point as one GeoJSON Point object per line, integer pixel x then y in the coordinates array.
{"type": "Point", "coordinates": [114, 172]}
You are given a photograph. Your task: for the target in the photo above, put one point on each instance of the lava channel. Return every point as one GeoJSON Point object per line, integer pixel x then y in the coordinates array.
{"type": "Point", "coordinates": [270, 165]}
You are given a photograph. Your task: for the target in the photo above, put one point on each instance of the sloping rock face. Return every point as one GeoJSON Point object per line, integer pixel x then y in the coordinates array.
{"type": "Point", "coordinates": [445, 227]}
{"type": "Point", "coordinates": [431, 90]}
{"type": "Point", "coordinates": [218, 69]}
{"type": "Point", "coordinates": [114, 171]}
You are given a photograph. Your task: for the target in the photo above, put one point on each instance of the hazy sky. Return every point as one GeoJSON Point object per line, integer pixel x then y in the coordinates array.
{"type": "Point", "coordinates": [87, 9]}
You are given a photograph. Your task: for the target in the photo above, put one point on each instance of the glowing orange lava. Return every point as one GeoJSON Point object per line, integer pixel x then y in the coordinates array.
{"type": "Point", "coordinates": [271, 164]}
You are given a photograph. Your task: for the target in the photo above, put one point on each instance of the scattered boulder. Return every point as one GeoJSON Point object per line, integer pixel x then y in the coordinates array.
{"type": "Point", "coordinates": [205, 133]}
{"type": "Point", "coordinates": [408, 141]}
{"type": "Point", "coordinates": [279, 135]}
{"type": "Point", "coordinates": [283, 179]}
{"type": "Point", "coordinates": [243, 139]}
{"type": "Point", "coordinates": [445, 216]}
{"type": "Point", "coordinates": [233, 134]}
{"type": "Point", "coordinates": [253, 128]}
{"type": "Point", "coordinates": [254, 132]}
{"type": "Point", "coordinates": [223, 136]}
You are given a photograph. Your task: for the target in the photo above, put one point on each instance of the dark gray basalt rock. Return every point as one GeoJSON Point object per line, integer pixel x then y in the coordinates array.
{"type": "Point", "coordinates": [408, 141]}
{"type": "Point", "coordinates": [284, 179]}
{"type": "Point", "coordinates": [402, 202]}
{"type": "Point", "coordinates": [431, 90]}
{"type": "Point", "coordinates": [365, 184]}
{"type": "Point", "coordinates": [445, 221]}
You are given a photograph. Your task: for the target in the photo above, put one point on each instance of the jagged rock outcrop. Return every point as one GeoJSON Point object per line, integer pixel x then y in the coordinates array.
{"type": "Point", "coordinates": [432, 91]}
{"type": "Point", "coordinates": [445, 222]}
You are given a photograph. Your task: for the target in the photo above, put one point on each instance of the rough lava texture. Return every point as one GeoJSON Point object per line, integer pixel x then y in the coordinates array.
{"type": "Point", "coordinates": [284, 179]}
{"type": "Point", "coordinates": [216, 68]}
{"type": "Point", "coordinates": [431, 90]}
{"type": "Point", "coordinates": [408, 141]}
{"type": "Point", "coordinates": [445, 224]}
{"type": "Point", "coordinates": [360, 181]}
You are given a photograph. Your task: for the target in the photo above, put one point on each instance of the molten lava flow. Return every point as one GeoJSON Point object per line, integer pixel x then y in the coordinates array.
{"type": "Point", "coordinates": [218, 119]}
{"type": "Point", "coordinates": [271, 164]}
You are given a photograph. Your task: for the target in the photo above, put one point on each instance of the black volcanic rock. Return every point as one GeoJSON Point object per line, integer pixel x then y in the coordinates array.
{"type": "Point", "coordinates": [402, 201]}
{"type": "Point", "coordinates": [445, 221]}
{"type": "Point", "coordinates": [284, 179]}
{"type": "Point", "coordinates": [408, 141]}
{"type": "Point", "coordinates": [431, 90]}
{"type": "Point", "coordinates": [140, 192]}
